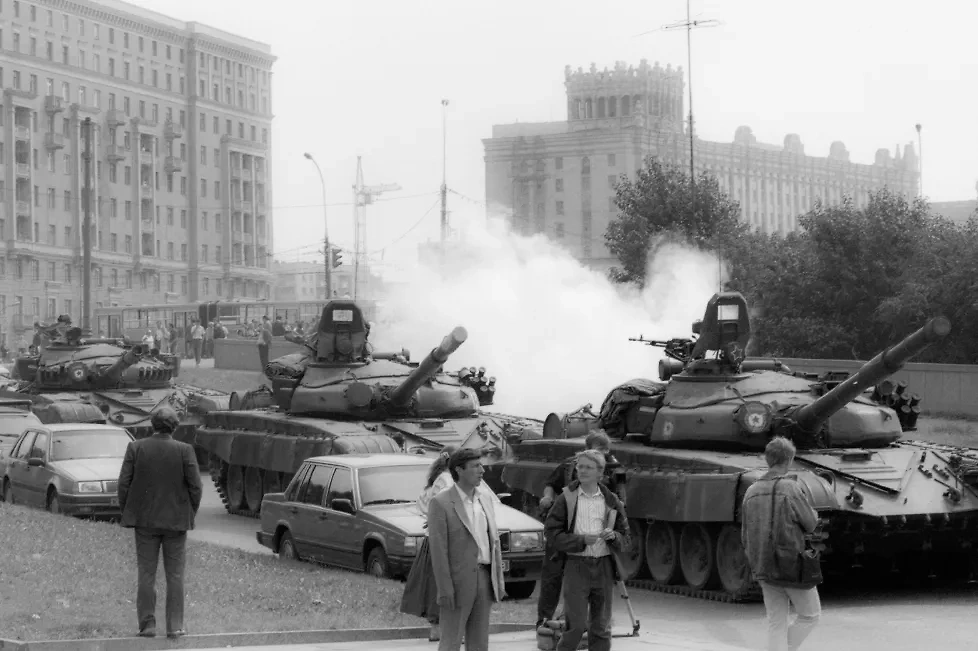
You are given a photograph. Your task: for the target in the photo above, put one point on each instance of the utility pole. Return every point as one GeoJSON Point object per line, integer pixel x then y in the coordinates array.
{"type": "Point", "coordinates": [327, 254]}
{"type": "Point", "coordinates": [444, 169]}
{"type": "Point", "coordinates": [920, 162]}
{"type": "Point", "coordinates": [87, 230]}
{"type": "Point", "coordinates": [363, 195]}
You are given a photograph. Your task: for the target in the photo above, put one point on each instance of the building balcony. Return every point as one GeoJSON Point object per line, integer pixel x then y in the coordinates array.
{"type": "Point", "coordinates": [259, 174]}
{"type": "Point", "coordinates": [54, 104]}
{"type": "Point", "coordinates": [146, 191]}
{"type": "Point", "coordinates": [173, 130]}
{"type": "Point", "coordinates": [144, 123]}
{"type": "Point", "coordinates": [22, 133]}
{"type": "Point", "coordinates": [21, 321]}
{"type": "Point", "coordinates": [237, 236]}
{"type": "Point", "coordinates": [261, 237]}
{"type": "Point", "coordinates": [236, 172]}
{"type": "Point", "coordinates": [115, 153]}
{"type": "Point", "coordinates": [24, 208]}
{"type": "Point", "coordinates": [245, 205]}
{"type": "Point", "coordinates": [173, 164]}
{"type": "Point", "coordinates": [115, 117]}
{"type": "Point", "coordinates": [54, 140]}
{"type": "Point", "coordinates": [145, 156]}
{"type": "Point", "coordinates": [23, 169]}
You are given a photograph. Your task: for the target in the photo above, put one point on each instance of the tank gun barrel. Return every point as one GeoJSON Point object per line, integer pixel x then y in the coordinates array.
{"type": "Point", "coordinates": [429, 366]}
{"type": "Point", "coordinates": [119, 367]}
{"type": "Point", "coordinates": [888, 362]}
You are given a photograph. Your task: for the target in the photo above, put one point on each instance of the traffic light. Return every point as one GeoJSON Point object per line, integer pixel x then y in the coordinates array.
{"type": "Point", "coordinates": [337, 256]}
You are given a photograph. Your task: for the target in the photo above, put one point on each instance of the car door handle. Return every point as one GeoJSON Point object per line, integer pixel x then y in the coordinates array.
{"type": "Point", "coordinates": [293, 510]}
{"type": "Point", "coordinates": [323, 516]}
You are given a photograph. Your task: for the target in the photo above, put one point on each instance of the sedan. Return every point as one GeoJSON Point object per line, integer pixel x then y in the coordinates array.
{"type": "Point", "coordinates": [358, 511]}
{"type": "Point", "coordinates": [70, 468]}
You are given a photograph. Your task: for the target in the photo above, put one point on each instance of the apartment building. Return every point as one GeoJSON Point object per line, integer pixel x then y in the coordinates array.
{"type": "Point", "coordinates": [558, 178]}
{"type": "Point", "coordinates": [180, 118]}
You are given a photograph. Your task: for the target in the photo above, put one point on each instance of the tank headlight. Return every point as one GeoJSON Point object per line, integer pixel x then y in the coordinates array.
{"type": "Point", "coordinates": [754, 417]}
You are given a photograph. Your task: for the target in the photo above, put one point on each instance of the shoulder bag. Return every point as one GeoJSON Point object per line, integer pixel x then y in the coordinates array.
{"type": "Point", "coordinates": [800, 569]}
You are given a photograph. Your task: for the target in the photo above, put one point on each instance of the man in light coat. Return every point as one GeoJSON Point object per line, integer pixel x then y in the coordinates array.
{"type": "Point", "coordinates": [466, 557]}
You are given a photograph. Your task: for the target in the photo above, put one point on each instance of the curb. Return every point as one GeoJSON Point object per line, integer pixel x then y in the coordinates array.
{"type": "Point", "coordinates": [215, 640]}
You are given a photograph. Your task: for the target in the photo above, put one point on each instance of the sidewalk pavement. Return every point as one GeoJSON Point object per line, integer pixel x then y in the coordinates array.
{"type": "Point", "coordinates": [523, 641]}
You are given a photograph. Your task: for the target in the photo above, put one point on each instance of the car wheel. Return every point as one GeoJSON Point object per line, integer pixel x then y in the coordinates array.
{"type": "Point", "coordinates": [377, 564]}
{"type": "Point", "coordinates": [286, 548]}
{"type": "Point", "coordinates": [54, 504]}
{"type": "Point", "coordinates": [520, 589]}
{"type": "Point", "coordinates": [8, 492]}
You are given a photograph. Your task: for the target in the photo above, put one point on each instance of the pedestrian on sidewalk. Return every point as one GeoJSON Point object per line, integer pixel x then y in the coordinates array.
{"type": "Point", "coordinates": [552, 572]}
{"type": "Point", "coordinates": [420, 592]}
{"type": "Point", "coordinates": [197, 339]}
{"type": "Point", "coordinates": [264, 342]}
{"type": "Point", "coordinates": [588, 525]}
{"type": "Point", "coordinates": [777, 515]}
{"type": "Point", "coordinates": [159, 494]}
{"type": "Point", "coordinates": [466, 556]}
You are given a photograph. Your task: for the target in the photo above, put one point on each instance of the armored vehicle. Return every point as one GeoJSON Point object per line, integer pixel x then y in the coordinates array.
{"type": "Point", "coordinates": [75, 379]}
{"type": "Point", "coordinates": [690, 446]}
{"type": "Point", "coordinates": [338, 396]}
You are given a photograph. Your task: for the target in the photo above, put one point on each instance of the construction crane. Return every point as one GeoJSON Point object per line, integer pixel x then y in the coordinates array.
{"type": "Point", "coordinates": [363, 195]}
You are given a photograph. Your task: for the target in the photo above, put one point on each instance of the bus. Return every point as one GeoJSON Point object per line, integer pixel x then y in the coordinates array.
{"type": "Point", "coordinates": [132, 321]}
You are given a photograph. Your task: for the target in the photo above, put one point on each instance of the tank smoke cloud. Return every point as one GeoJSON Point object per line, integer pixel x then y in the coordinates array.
{"type": "Point", "coordinates": [554, 333]}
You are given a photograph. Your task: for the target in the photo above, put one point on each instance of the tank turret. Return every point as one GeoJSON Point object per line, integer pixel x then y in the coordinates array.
{"type": "Point", "coordinates": [428, 368]}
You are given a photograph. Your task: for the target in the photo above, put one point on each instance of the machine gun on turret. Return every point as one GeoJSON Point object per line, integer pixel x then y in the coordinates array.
{"type": "Point", "coordinates": [679, 349]}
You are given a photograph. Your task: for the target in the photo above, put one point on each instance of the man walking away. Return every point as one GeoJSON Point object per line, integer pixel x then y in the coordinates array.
{"type": "Point", "coordinates": [159, 494]}
{"type": "Point", "coordinates": [587, 524]}
{"type": "Point", "coordinates": [792, 518]}
{"type": "Point", "coordinates": [552, 573]}
{"type": "Point", "coordinates": [466, 557]}
{"type": "Point", "coordinates": [209, 340]}
{"type": "Point", "coordinates": [264, 342]}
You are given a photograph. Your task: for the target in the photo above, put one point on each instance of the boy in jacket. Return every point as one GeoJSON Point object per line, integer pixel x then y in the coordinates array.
{"type": "Point", "coordinates": [586, 526]}
{"type": "Point", "coordinates": [793, 517]}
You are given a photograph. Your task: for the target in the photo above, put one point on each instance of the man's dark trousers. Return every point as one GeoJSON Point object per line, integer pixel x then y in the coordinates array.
{"type": "Point", "coordinates": [551, 579]}
{"type": "Point", "coordinates": [263, 356]}
{"type": "Point", "coordinates": [588, 593]}
{"type": "Point", "coordinates": [148, 544]}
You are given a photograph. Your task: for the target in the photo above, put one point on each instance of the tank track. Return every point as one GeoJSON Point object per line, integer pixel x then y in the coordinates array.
{"type": "Point", "coordinates": [753, 593]}
{"type": "Point", "coordinates": [219, 475]}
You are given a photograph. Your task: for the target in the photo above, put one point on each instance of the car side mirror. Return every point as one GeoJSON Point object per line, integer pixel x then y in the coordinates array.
{"type": "Point", "coordinates": [35, 462]}
{"type": "Point", "coordinates": [503, 496]}
{"type": "Point", "coordinates": [342, 505]}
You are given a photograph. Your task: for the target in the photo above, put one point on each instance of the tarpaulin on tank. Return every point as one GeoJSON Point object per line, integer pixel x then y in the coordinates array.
{"type": "Point", "coordinates": [289, 366]}
{"type": "Point", "coordinates": [69, 412]}
{"type": "Point", "coordinates": [60, 355]}
{"type": "Point", "coordinates": [618, 401]}
{"type": "Point", "coordinates": [373, 444]}
{"type": "Point", "coordinates": [693, 393]}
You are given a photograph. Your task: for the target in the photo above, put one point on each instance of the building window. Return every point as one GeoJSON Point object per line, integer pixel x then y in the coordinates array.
{"type": "Point", "coordinates": [559, 163]}
{"type": "Point", "coordinates": [612, 179]}
{"type": "Point", "coordinates": [559, 230]}
{"type": "Point", "coordinates": [611, 160]}
{"type": "Point", "coordinates": [559, 185]}
{"type": "Point", "coordinates": [560, 207]}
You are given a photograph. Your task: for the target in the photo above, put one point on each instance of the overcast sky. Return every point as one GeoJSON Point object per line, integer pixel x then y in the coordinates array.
{"type": "Point", "coordinates": [367, 77]}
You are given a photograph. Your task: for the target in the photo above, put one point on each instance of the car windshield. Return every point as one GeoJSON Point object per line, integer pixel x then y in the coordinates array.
{"type": "Point", "coordinates": [392, 485]}
{"type": "Point", "coordinates": [13, 425]}
{"type": "Point", "coordinates": [89, 444]}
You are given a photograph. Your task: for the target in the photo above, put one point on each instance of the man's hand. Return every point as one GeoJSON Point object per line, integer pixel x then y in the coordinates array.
{"type": "Point", "coordinates": [608, 535]}
{"type": "Point", "coordinates": [447, 602]}
{"type": "Point", "coordinates": [591, 538]}
{"type": "Point", "coordinates": [546, 502]}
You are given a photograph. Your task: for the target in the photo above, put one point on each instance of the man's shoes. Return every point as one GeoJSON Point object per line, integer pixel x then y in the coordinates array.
{"type": "Point", "coordinates": [434, 633]}
{"type": "Point", "coordinates": [175, 634]}
{"type": "Point", "coordinates": [149, 632]}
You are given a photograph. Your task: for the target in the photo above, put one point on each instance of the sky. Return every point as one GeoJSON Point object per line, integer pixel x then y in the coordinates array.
{"type": "Point", "coordinates": [367, 78]}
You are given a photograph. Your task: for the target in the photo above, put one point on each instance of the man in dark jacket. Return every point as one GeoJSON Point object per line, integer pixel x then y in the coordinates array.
{"type": "Point", "coordinates": [159, 494]}
{"type": "Point", "coordinates": [780, 500]}
{"type": "Point", "coordinates": [587, 525]}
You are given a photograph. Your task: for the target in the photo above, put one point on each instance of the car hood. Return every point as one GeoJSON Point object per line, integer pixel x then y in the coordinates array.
{"type": "Point", "coordinates": [89, 469]}
{"type": "Point", "coordinates": [407, 518]}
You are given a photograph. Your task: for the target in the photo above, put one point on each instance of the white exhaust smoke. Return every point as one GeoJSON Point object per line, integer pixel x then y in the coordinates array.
{"type": "Point", "coordinates": [553, 333]}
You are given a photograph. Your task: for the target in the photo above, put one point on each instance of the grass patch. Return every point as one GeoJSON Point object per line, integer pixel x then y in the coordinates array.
{"type": "Point", "coordinates": [62, 578]}
{"type": "Point", "coordinates": [222, 379]}
{"type": "Point", "coordinates": [947, 431]}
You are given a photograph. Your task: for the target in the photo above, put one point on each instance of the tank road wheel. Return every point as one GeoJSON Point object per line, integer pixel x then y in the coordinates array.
{"type": "Point", "coordinates": [253, 488]}
{"type": "Point", "coordinates": [697, 557]}
{"type": "Point", "coordinates": [732, 567]}
{"type": "Point", "coordinates": [662, 552]}
{"type": "Point", "coordinates": [632, 561]}
{"type": "Point", "coordinates": [235, 487]}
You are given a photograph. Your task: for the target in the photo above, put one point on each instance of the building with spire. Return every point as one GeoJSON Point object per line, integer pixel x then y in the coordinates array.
{"type": "Point", "coordinates": [558, 178]}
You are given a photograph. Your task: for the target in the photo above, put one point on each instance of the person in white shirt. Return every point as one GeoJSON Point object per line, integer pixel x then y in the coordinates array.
{"type": "Point", "coordinates": [197, 338]}
{"type": "Point", "coordinates": [149, 340]}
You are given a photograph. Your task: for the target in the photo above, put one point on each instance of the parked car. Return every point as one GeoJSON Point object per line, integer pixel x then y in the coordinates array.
{"type": "Point", "coordinates": [70, 468]}
{"type": "Point", "coordinates": [358, 511]}
{"type": "Point", "coordinates": [15, 418]}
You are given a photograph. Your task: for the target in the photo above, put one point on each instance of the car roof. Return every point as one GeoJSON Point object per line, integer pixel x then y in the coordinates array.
{"type": "Point", "coordinates": [374, 460]}
{"type": "Point", "coordinates": [81, 427]}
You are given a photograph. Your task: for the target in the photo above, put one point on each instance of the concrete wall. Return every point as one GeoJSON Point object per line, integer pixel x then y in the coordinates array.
{"type": "Point", "coordinates": [242, 354]}
{"type": "Point", "coordinates": [943, 388]}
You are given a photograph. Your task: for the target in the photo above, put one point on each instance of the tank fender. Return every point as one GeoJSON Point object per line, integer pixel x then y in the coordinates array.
{"type": "Point", "coordinates": [683, 497]}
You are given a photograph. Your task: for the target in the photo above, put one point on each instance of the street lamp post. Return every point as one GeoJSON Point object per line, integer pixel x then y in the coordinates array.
{"type": "Point", "coordinates": [920, 162]}
{"type": "Point", "coordinates": [326, 251]}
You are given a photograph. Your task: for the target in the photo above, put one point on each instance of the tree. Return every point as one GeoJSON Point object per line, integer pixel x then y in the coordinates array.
{"type": "Point", "coordinates": [660, 202]}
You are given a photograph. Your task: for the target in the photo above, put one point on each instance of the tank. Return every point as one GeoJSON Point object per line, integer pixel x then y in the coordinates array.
{"type": "Point", "coordinates": [77, 379]}
{"type": "Point", "coordinates": [692, 443]}
{"type": "Point", "coordinates": [338, 396]}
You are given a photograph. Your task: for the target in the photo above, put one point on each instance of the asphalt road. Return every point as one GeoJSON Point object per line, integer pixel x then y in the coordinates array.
{"type": "Point", "coordinates": [891, 618]}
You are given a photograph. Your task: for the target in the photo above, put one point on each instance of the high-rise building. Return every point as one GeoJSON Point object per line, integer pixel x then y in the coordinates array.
{"type": "Point", "coordinates": [180, 172]}
{"type": "Point", "coordinates": [559, 178]}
